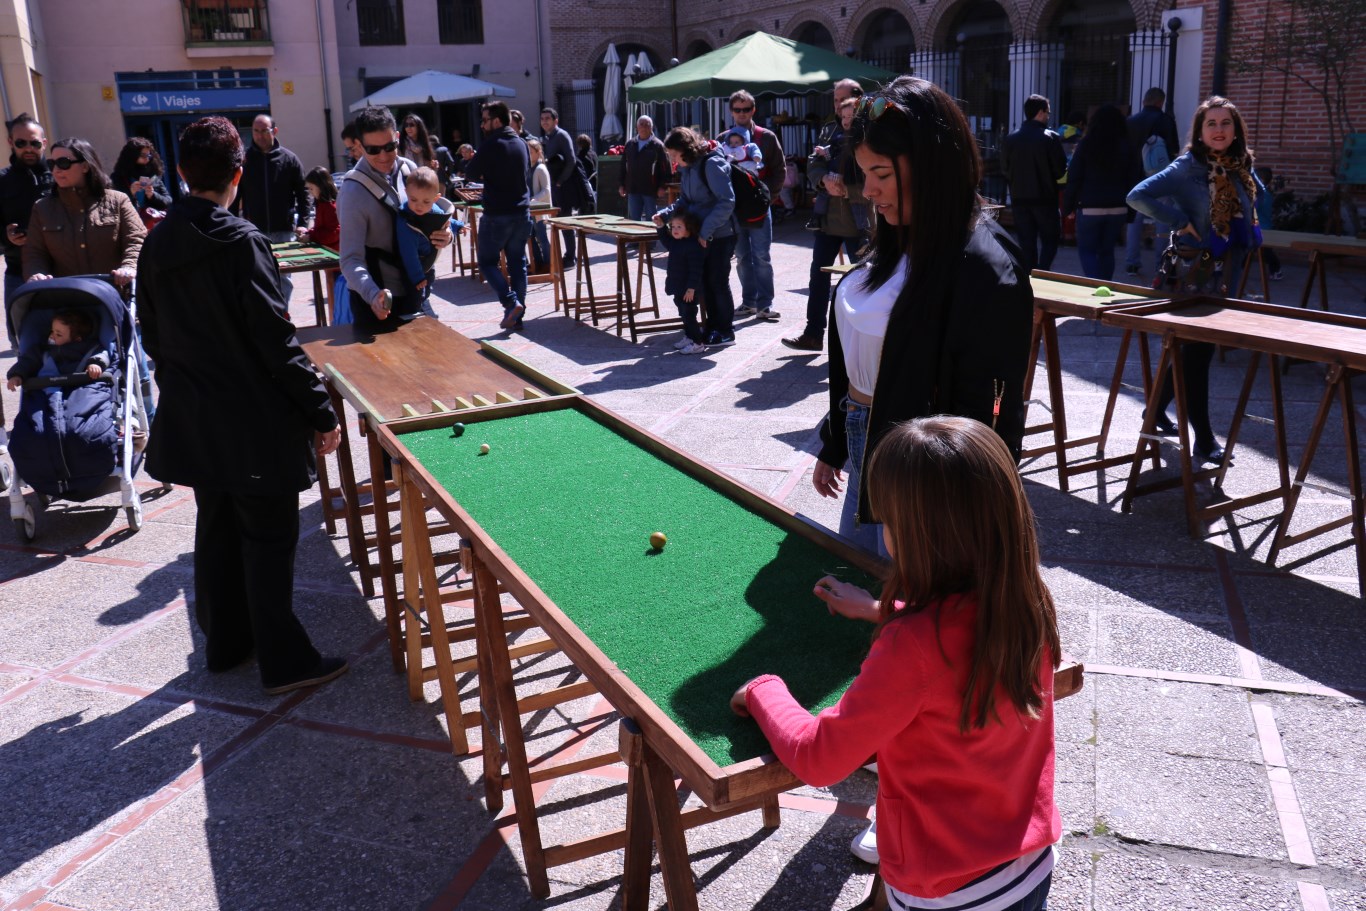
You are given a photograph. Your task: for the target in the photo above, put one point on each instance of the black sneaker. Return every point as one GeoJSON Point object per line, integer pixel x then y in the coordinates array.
{"type": "Point", "coordinates": [745, 310]}
{"type": "Point", "coordinates": [804, 342]}
{"type": "Point", "coordinates": [768, 315]}
{"type": "Point", "coordinates": [1131, 270]}
{"type": "Point", "coordinates": [327, 669]}
{"type": "Point", "coordinates": [717, 340]}
{"type": "Point", "coordinates": [513, 316]}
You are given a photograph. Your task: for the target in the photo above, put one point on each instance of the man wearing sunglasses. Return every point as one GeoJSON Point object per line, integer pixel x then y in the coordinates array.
{"type": "Point", "coordinates": [368, 202]}
{"type": "Point", "coordinates": [24, 182]}
{"type": "Point", "coordinates": [752, 242]}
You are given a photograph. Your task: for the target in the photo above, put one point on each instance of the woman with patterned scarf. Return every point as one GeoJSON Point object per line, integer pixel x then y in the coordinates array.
{"type": "Point", "coordinates": [1209, 197]}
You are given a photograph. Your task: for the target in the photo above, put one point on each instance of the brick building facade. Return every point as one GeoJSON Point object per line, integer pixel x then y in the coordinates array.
{"type": "Point", "coordinates": [1078, 52]}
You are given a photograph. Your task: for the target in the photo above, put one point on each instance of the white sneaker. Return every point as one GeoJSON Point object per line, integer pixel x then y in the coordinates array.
{"type": "Point", "coordinates": [682, 343]}
{"type": "Point", "coordinates": [693, 348]}
{"type": "Point", "coordinates": [871, 766]}
{"type": "Point", "coordinates": [864, 845]}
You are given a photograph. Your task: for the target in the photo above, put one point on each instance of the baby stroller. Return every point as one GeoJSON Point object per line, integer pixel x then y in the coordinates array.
{"type": "Point", "coordinates": [75, 438]}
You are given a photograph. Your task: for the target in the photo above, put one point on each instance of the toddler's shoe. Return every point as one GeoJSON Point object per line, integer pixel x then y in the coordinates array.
{"type": "Point", "coordinates": [693, 348]}
{"type": "Point", "coordinates": [864, 845]}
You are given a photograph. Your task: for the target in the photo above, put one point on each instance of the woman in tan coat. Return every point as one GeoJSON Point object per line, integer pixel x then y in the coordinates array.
{"type": "Point", "coordinates": [85, 227]}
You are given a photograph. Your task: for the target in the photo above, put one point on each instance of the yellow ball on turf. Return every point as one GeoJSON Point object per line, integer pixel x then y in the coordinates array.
{"type": "Point", "coordinates": [657, 540]}
{"type": "Point", "coordinates": [483, 448]}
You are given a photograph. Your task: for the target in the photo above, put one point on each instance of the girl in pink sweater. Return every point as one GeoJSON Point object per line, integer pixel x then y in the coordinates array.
{"type": "Point", "coordinates": [955, 697]}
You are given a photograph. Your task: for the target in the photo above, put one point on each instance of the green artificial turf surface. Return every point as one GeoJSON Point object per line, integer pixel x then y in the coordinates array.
{"type": "Point", "coordinates": [729, 597]}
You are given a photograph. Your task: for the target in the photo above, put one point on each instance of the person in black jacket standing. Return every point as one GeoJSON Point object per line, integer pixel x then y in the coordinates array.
{"type": "Point", "coordinates": [647, 171]}
{"type": "Point", "coordinates": [1033, 162]}
{"type": "Point", "coordinates": [501, 164]}
{"type": "Point", "coordinates": [273, 196]}
{"type": "Point", "coordinates": [24, 182]}
{"type": "Point", "coordinates": [1148, 123]}
{"type": "Point", "coordinates": [241, 413]}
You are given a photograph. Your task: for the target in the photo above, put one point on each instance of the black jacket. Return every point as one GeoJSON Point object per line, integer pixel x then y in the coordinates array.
{"type": "Point", "coordinates": [1152, 121]}
{"type": "Point", "coordinates": [501, 165]}
{"type": "Point", "coordinates": [960, 368]}
{"type": "Point", "coordinates": [20, 187]}
{"type": "Point", "coordinates": [272, 190]}
{"type": "Point", "coordinates": [647, 169]}
{"type": "Point", "coordinates": [1101, 178]}
{"type": "Point", "coordinates": [1032, 160]}
{"type": "Point", "coordinates": [684, 270]}
{"type": "Point", "coordinates": [239, 402]}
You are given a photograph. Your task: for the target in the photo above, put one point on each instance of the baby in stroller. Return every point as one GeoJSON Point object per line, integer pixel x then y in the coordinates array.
{"type": "Point", "coordinates": [67, 351]}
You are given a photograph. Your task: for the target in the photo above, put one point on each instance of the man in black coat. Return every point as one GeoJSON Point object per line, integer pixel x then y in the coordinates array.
{"type": "Point", "coordinates": [240, 416]}
{"type": "Point", "coordinates": [1149, 122]}
{"type": "Point", "coordinates": [23, 183]}
{"type": "Point", "coordinates": [1033, 162]}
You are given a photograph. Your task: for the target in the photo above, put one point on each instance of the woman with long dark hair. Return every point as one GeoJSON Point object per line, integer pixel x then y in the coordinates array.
{"type": "Point", "coordinates": [139, 173]}
{"type": "Point", "coordinates": [1102, 171]}
{"type": "Point", "coordinates": [86, 227]}
{"type": "Point", "coordinates": [415, 143]}
{"type": "Point", "coordinates": [1209, 197]}
{"type": "Point", "coordinates": [937, 320]}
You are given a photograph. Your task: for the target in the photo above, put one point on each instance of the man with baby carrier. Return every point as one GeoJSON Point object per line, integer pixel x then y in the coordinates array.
{"type": "Point", "coordinates": [241, 414]}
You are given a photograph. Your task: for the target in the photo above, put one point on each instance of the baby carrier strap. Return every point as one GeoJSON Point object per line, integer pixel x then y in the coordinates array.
{"type": "Point", "coordinates": [389, 199]}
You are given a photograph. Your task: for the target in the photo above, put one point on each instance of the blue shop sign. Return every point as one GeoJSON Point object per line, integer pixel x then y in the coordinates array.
{"type": "Point", "coordinates": [183, 102]}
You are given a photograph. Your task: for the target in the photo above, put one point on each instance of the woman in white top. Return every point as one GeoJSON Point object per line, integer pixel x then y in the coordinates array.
{"type": "Point", "coordinates": [539, 182]}
{"type": "Point", "coordinates": [937, 319]}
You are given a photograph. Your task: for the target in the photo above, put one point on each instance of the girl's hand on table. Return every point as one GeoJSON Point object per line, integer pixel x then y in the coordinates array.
{"type": "Point", "coordinates": [847, 599]}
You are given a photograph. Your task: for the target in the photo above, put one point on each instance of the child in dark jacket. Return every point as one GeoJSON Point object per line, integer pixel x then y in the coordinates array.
{"type": "Point", "coordinates": [683, 279]}
{"type": "Point", "coordinates": [67, 347]}
{"type": "Point", "coordinates": [425, 213]}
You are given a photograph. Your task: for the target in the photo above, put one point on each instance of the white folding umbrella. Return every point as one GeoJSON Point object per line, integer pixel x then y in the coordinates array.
{"type": "Point", "coordinates": [647, 70]}
{"type": "Point", "coordinates": [432, 86]}
{"type": "Point", "coordinates": [611, 95]}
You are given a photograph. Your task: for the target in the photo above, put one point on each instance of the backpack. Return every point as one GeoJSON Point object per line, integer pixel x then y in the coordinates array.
{"type": "Point", "coordinates": [1155, 155]}
{"type": "Point", "coordinates": [751, 197]}
{"type": "Point", "coordinates": [374, 255]}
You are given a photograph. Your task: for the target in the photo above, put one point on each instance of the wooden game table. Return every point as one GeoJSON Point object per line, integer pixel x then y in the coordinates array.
{"type": "Point", "coordinates": [422, 367]}
{"type": "Point", "coordinates": [1320, 247]}
{"type": "Point", "coordinates": [296, 256]}
{"type": "Point", "coordinates": [622, 304]}
{"type": "Point", "coordinates": [443, 469]}
{"type": "Point", "coordinates": [473, 209]}
{"type": "Point", "coordinates": [1056, 296]}
{"type": "Point", "coordinates": [1336, 341]}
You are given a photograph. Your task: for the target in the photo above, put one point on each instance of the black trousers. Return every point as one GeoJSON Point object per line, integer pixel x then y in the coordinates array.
{"type": "Point", "coordinates": [244, 583]}
{"type": "Point", "coordinates": [1195, 360]}
{"type": "Point", "coordinates": [1039, 228]}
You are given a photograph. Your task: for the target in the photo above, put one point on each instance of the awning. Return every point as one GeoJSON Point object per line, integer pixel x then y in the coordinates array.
{"type": "Point", "coordinates": [434, 87]}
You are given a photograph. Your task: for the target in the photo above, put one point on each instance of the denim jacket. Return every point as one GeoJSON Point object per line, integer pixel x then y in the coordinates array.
{"type": "Point", "coordinates": [705, 191]}
{"type": "Point", "coordinates": [1178, 195]}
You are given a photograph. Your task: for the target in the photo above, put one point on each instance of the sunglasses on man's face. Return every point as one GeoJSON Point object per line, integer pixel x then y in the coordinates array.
{"type": "Point", "coordinates": [63, 164]}
{"type": "Point", "coordinates": [742, 110]}
{"type": "Point", "coordinates": [29, 143]}
{"type": "Point", "coordinates": [376, 150]}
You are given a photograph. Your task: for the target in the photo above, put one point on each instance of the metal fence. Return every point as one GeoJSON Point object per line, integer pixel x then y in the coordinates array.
{"type": "Point", "coordinates": [226, 20]}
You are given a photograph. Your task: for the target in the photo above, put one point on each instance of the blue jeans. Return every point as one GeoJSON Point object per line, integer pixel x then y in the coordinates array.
{"type": "Point", "coordinates": [754, 264]}
{"type": "Point", "coordinates": [823, 253]}
{"type": "Point", "coordinates": [640, 206]}
{"type": "Point", "coordinates": [1097, 236]}
{"type": "Point", "coordinates": [864, 534]}
{"type": "Point", "coordinates": [541, 232]}
{"type": "Point", "coordinates": [505, 234]}
{"type": "Point", "coordinates": [716, 282]}
{"type": "Point", "coordinates": [1133, 247]}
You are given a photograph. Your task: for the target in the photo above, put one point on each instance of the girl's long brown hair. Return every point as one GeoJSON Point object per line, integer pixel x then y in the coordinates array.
{"type": "Point", "coordinates": [949, 493]}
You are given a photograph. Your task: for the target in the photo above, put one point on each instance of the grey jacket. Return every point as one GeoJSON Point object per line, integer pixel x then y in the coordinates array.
{"type": "Point", "coordinates": [365, 222]}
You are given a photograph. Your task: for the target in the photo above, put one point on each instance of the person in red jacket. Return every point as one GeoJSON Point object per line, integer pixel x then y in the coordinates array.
{"type": "Point", "coordinates": [955, 697]}
{"type": "Point", "coordinates": [325, 230]}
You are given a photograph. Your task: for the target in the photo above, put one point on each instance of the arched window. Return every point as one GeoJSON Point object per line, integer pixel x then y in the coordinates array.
{"type": "Point", "coordinates": [887, 41]}
{"type": "Point", "coordinates": [816, 35]}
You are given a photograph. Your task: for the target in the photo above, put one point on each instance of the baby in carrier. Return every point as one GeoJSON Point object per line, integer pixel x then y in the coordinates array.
{"type": "Point", "coordinates": [742, 152]}
{"type": "Point", "coordinates": [67, 350]}
{"type": "Point", "coordinates": [425, 213]}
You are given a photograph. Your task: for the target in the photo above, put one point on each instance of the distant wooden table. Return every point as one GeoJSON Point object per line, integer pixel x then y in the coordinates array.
{"type": "Point", "coordinates": [472, 212]}
{"type": "Point", "coordinates": [622, 304]}
{"type": "Point", "coordinates": [1337, 341]}
{"type": "Point", "coordinates": [1057, 295]}
{"type": "Point", "coordinates": [295, 256]}
{"type": "Point", "coordinates": [1320, 247]}
{"type": "Point", "coordinates": [421, 368]}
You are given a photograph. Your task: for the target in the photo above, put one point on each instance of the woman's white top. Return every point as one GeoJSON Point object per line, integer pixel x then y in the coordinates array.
{"type": "Point", "coordinates": [540, 185]}
{"type": "Point", "coordinates": [861, 315]}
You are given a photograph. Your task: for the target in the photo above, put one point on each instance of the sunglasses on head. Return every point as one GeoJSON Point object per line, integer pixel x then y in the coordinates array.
{"type": "Point", "coordinates": [876, 105]}
{"type": "Point", "coordinates": [28, 143]}
{"type": "Point", "coordinates": [376, 150]}
{"type": "Point", "coordinates": [63, 164]}
{"type": "Point", "coordinates": [742, 110]}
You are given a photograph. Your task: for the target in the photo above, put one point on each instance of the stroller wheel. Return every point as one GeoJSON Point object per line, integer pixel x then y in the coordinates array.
{"type": "Point", "coordinates": [134, 513]}
{"type": "Point", "coordinates": [27, 527]}
{"type": "Point", "coordinates": [6, 475]}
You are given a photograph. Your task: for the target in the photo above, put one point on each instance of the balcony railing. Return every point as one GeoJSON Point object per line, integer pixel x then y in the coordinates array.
{"type": "Point", "coordinates": [380, 21]}
{"type": "Point", "coordinates": [460, 21]}
{"type": "Point", "coordinates": [226, 21]}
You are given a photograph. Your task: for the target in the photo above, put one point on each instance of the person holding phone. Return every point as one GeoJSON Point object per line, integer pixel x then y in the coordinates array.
{"type": "Point", "coordinates": [24, 182]}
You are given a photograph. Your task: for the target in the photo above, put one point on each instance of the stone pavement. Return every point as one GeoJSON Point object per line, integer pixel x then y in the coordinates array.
{"type": "Point", "coordinates": [1213, 761]}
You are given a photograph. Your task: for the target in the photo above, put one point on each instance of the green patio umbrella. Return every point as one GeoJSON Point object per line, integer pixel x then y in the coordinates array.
{"type": "Point", "coordinates": [763, 64]}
